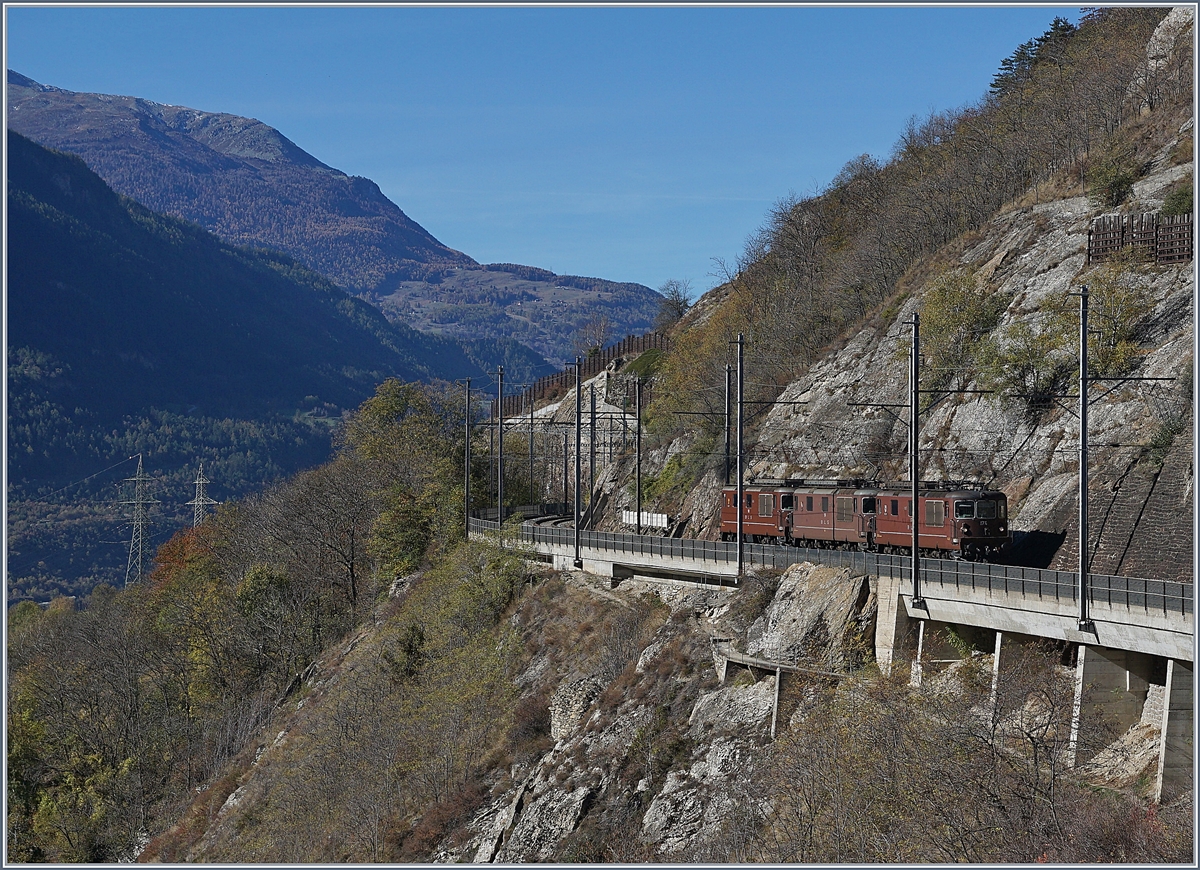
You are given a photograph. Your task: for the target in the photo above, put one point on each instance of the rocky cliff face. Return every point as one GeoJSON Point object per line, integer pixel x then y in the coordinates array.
{"type": "Point", "coordinates": [651, 764]}
{"type": "Point", "coordinates": [1037, 256]}
{"type": "Point", "coordinates": [635, 781]}
{"type": "Point", "coordinates": [829, 423]}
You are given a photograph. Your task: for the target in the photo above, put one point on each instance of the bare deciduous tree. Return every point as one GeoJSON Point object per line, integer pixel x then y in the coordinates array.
{"type": "Point", "coordinates": [593, 336]}
{"type": "Point", "coordinates": [677, 299]}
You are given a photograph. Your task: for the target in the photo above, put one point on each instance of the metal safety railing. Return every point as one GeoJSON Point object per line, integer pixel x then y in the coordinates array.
{"type": "Point", "coordinates": [1131, 593]}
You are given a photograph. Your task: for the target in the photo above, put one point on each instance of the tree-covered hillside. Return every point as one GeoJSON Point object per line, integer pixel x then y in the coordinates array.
{"type": "Point", "coordinates": [1080, 110]}
{"type": "Point", "coordinates": [162, 683]}
{"type": "Point", "coordinates": [130, 332]}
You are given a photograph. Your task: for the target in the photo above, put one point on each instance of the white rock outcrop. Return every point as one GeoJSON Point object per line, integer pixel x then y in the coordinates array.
{"type": "Point", "coordinates": [570, 702]}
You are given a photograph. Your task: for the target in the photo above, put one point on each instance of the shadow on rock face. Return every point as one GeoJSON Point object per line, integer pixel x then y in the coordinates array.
{"type": "Point", "coordinates": [1035, 549]}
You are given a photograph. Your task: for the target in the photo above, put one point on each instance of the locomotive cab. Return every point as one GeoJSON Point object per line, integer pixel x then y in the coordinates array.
{"type": "Point", "coordinates": [865, 517]}
{"type": "Point", "coordinates": [980, 520]}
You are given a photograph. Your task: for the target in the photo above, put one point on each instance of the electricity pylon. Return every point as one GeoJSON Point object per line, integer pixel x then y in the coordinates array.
{"type": "Point", "coordinates": [201, 502]}
{"type": "Point", "coordinates": [138, 545]}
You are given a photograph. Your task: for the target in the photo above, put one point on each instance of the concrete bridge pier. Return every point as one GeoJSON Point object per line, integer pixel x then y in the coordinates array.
{"type": "Point", "coordinates": [1128, 687]}
{"type": "Point", "coordinates": [1113, 685]}
{"type": "Point", "coordinates": [1120, 687]}
{"type": "Point", "coordinates": [1175, 748]}
{"type": "Point", "coordinates": [896, 633]}
{"type": "Point", "coordinates": [902, 638]}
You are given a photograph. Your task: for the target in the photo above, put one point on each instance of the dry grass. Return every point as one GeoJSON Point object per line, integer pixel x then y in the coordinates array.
{"type": "Point", "coordinates": [431, 828]}
{"type": "Point", "coordinates": [581, 631]}
{"type": "Point", "coordinates": [174, 844]}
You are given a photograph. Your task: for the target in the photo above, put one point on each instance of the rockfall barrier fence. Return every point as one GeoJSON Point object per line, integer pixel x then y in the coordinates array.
{"type": "Point", "coordinates": [1167, 237]}
{"type": "Point", "coordinates": [551, 386]}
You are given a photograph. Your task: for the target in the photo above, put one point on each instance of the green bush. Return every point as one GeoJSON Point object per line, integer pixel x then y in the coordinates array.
{"type": "Point", "coordinates": [1028, 362]}
{"type": "Point", "coordinates": [1112, 179]}
{"type": "Point", "coordinates": [681, 472]}
{"type": "Point", "coordinates": [1179, 200]}
{"type": "Point", "coordinates": [1119, 304]}
{"type": "Point", "coordinates": [645, 365]}
{"type": "Point", "coordinates": [957, 314]}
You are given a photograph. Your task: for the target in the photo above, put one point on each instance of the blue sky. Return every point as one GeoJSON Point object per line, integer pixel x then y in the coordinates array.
{"type": "Point", "coordinates": [632, 143]}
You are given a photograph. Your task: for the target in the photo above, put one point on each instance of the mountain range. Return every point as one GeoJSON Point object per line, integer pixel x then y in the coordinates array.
{"type": "Point", "coordinates": [150, 310]}
{"type": "Point", "coordinates": [236, 177]}
{"type": "Point", "coordinates": [250, 185]}
{"type": "Point", "coordinates": [190, 286]}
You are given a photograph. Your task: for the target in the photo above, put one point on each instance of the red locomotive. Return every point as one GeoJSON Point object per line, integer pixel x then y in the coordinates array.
{"type": "Point", "coordinates": [954, 520]}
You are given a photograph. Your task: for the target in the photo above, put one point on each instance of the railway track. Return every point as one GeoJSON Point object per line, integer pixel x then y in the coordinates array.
{"type": "Point", "coordinates": [689, 555]}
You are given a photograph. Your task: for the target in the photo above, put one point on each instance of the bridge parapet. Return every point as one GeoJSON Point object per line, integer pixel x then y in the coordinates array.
{"type": "Point", "coordinates": [1133, 595]}
{"type": "Point", "coordinates": [1152, 616]}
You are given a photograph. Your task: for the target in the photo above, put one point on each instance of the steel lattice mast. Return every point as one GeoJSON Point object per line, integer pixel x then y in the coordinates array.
{"type": "Point", "coordinates": [201, 502]}
{"type": "Point", "coordinates": [138, 544]}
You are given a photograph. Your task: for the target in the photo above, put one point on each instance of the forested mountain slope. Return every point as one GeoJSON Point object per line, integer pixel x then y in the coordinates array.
{"type": "Point", "coordinates": [979, 222]}
{"type": "Point", "coordinates": [164, 313]}
{"type": "Point", "coordinates": [132, 332]}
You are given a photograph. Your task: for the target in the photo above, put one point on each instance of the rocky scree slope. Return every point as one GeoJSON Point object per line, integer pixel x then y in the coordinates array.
{"type": "Point", "coordinates": [652, 765]}
{"type": "Point", "coordinates": [642, 754]}
{"type": "Point", "coordinates": [647, 755]}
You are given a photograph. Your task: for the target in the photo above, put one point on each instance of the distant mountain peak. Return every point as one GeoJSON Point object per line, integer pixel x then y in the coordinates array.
{"type": "Point", "coordinates": [247, 183]}
{"type": "Point", "coordinates": [237, 177]}
{"type": "Point", "coordinates": [15, 78]}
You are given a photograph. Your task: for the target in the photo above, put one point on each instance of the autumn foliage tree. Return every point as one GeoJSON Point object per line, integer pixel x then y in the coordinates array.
{"type": "Point", "coordinates": [121, 709]}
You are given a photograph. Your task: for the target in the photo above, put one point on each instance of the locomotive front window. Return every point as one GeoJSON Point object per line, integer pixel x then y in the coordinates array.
{"type": "Point", "coordinates": [868, 505]}
{"type": "Point", "coordinates": [986, 509]}
{"type": "Point", "coordinates": [808, 502]}
{"type": "Point", "coordinates": [785, 502]}
{"type": "Point", "coordinates": [964, 510]}
{"type": "Point", "coordinates": [766, 504]}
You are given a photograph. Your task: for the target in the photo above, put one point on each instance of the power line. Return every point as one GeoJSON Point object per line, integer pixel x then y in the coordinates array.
{"type": "Point", "coordinates": [85, 479]}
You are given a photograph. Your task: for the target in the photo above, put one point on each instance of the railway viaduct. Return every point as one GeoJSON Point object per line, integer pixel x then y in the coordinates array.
{"type": "Point", "coordinates": [1136, 665]}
